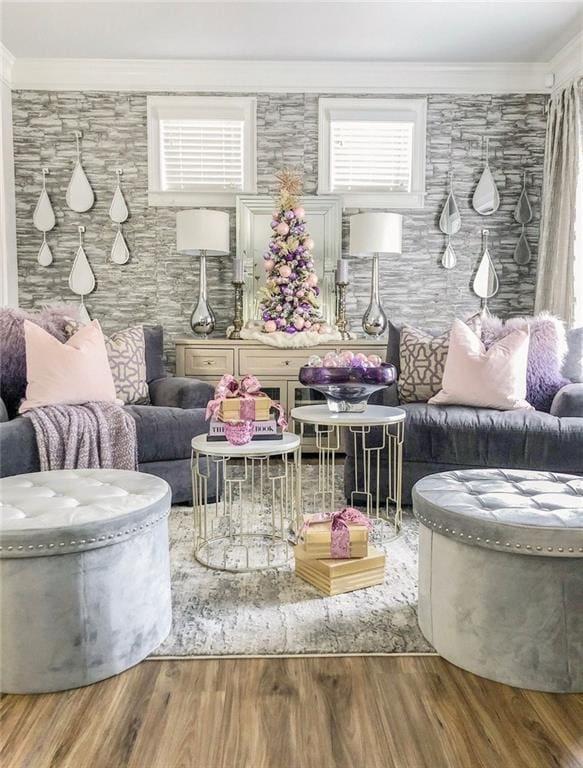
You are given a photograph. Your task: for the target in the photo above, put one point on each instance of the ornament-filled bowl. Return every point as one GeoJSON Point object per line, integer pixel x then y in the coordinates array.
{"type": "Point", "coordinates": [348, 389]}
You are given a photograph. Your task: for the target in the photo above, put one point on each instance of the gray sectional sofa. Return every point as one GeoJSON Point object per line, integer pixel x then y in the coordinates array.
{"type": "Point", "coordinates": [440, 438]}
{"type": "Point", "coordinates": [165, 427]}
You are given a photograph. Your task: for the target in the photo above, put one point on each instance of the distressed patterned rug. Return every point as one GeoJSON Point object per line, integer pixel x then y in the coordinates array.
{"type": "Point", "coordinates": [275, 613]}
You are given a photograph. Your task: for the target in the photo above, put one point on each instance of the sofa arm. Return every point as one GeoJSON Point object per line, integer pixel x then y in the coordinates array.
{"type": "Point", "coordinates": [3, 411]}
{"type": "Point", "coordinates": [568, 401]}
{"type": "Point", "coordinates": [180, 392]}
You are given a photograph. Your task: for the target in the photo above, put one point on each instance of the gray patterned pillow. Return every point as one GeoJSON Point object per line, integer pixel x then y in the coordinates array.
{"type": "Point", "coordinates": [421, 360]}
{"type": "Point", "coordinates": [126, 351]}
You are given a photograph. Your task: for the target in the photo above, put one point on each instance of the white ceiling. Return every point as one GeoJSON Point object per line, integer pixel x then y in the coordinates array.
{"type": "Point", "coordinates": [295, 30]}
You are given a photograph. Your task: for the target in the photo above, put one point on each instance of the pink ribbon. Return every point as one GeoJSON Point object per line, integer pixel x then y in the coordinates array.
{"type": "Point", "coordinates": [247, 390]}
{"type": "Point", "coordinates": [339, 528]}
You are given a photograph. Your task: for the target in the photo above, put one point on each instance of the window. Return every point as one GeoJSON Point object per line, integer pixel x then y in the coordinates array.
{"type": "Point", "coordinates": [372, 151]}
{"type": "Point", "coordinates": [201, 150]}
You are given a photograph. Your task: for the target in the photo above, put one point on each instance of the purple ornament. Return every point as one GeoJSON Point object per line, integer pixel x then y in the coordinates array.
{"type": "Point", "coordinates": [280, 322]}
{"type": "Point", "coordinates": [266, 316]}
{"type": "Point", "coordinates": [301, 228]}
{"type": "Point", "coordinates": [289, 215]}
{"type": "Point", "coordinates": [274, 224]}
{"type": "Point", "coordinates": [291, 329]}
{"type": "Point", "coordinates": [316, 290]}
{"type": "Point", "coordinates": [301, 263]}
{"type": "Point", "coordinates": [289, 257]}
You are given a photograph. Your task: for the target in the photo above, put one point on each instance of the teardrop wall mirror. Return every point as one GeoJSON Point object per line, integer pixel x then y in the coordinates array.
{"type": "Point", "coordinates": [118, 210]}
{"type": "Point", "coordinates": [119, 250]}
{"type": "Point", "coordinates": [43, 217]}
{"type": "Point", "coordinates": [81, 277]}
{"type": "Point", "coordinates": [45, 256]}
{"type": "Point", "coordinates": [486, 198]}
{"type": "Point", "coordinates": [80, 197]}
{"type": "Point", "coordinates": [523, 215]}
{"type": "Point", "coordinates": [450, 223]}
{"type": "Point", "coordinates": [485, 283]}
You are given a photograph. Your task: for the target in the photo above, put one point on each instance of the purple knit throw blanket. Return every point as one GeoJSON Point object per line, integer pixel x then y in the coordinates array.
{"type": "Point", "coordinates": [89, 436]}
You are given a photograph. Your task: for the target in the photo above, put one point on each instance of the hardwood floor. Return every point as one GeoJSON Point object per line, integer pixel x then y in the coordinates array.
{"type": "Point", "coordinates": [358, 712]}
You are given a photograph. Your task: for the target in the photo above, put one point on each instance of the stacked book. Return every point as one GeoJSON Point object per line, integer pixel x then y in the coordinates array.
{"type": "Point", "coordinates": [262, 430]}
{"type": "Point", "coordinates": [314, 562]}
{"type": "Point", "coordinates": [235, 408]}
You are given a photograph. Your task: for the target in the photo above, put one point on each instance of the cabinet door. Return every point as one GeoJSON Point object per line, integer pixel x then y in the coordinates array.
{"type": "Point", "coordinates": [298, 395]}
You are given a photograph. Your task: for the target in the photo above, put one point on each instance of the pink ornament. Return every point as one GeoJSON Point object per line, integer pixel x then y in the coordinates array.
{"type": "Point", "coordinates": [300, 293]}
{"type": "Point", "coordinates": [374, 360]}
{"type": "Point", "coordinates": [329, 362]}
{"type": "Point", "coordinates": [285, 271]}
{"type": "Point", "coordinates": [360, 358]}
{"type": "Point", "coordinates": [309, 243]}
{"type": "Point", "coordinates": [299, 323]}
{"type": "Point", "coordinates": [269, 326]}
{"type": "Point", "coordinates": [324, 328]}
{"type": "Point", "coordinates": [307, 324]}
{"type": "Point", "coordinates": [299, 212]}
{"type": "Point", "coordinates": [282, 228]}
{"type": "Point", "coordinates": [312, 280]}
{"type": "Point", "coordinates": [268, 263]}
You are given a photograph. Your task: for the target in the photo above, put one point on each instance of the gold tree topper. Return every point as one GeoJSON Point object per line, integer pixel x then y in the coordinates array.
{"type": "Point", "coordinates": [290, 186]}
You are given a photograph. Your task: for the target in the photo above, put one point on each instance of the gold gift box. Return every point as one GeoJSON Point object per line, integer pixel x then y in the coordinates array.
{"type": "Point", "coordinates": [230, 409]}
{"type": "Point", "coordinates": [316, 540]}
{"type": "Point", "coordinates": [333, 577]}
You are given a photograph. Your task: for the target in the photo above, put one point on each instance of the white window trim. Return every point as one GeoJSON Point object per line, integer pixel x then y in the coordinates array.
{"type": "Point", "coordinates": [365, 109]}
{"type": "Point", "coordinates": [228, 107]}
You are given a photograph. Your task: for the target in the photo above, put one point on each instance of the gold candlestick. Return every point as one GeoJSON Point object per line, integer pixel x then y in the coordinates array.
{"type": "Point", "coordinates": [341, 318]}
{"type": "Point", "coordinates": [238, 318]}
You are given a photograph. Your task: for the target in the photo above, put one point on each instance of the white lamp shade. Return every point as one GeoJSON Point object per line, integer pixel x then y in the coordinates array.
{"type": "Point", "coordinates": [202, 230]}
{"type": "Point", "coordinates": [378, 232]}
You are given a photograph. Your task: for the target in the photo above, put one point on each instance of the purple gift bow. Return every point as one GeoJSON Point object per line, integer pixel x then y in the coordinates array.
{"type": "Point", "coordinates": [339, 528]}
{"type": "Point", "coordinates": [248, 390]}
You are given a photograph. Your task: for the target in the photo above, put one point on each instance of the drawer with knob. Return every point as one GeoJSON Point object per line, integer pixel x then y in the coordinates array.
{"type": "Point", "coordinates": [204, 362]}
{"type": "Point", "coordinates": [272, 362]}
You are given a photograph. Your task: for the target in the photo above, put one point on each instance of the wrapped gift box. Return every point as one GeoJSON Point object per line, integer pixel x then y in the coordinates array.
{"type": "Point", "coordinates": [245, 409]}
{"type": "Point", "coordinates": [333, 577]}
{"type": "Point", "coordinates": [316, 540]}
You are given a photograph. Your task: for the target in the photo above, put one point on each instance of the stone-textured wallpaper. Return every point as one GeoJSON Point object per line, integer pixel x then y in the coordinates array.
{"type": "Point", "coordinates": [159, 285]}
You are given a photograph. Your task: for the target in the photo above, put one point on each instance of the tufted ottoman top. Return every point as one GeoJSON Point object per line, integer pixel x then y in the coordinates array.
{"type": "Point", "coordinates": [47, 513]}
{"type": "Point", "coordinates": [529, 513]}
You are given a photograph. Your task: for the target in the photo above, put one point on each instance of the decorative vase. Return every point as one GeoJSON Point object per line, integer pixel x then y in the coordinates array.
{"type": "Point", "coordinates": [348, 389]}
{"type": "Point", "coordinates": [239, 432]}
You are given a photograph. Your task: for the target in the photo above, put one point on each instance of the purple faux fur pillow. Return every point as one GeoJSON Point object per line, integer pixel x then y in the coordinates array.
{"type": "Point", "coordinates": [54, 320]}
{"type": "Point", "coordinates": [546, 352]}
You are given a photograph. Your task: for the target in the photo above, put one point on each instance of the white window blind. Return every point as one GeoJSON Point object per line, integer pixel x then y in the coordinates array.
{"type": "Point", "coordinates": [371, 155]}
{"type": "Point", "coordinates": [202, 154]}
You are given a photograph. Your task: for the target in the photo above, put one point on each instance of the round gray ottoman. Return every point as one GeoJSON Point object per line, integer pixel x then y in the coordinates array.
{"type": "Point", "coordinates": [84, 573]}
{"type": "Point", "coordinates": [501, 574]}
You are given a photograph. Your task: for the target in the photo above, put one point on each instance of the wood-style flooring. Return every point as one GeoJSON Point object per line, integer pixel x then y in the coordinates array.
{"type": "Point", "coordinates": [356, 712]}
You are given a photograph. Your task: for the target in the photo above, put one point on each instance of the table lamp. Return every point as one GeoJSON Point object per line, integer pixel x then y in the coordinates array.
{"type": "Point", "coordinates": [375, 233]}
{"type": "Point", "coordinates": [202, 233]}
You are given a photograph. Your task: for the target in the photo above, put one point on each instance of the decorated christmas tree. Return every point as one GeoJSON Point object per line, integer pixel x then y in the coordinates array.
{"type": "Point", "coordinates": [290, 297]}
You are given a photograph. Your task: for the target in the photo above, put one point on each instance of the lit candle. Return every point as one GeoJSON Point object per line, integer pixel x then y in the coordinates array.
{"type": "Point", "coordinates": [342, 271]}
{"type": "Point", "coordinates": [239, 270]}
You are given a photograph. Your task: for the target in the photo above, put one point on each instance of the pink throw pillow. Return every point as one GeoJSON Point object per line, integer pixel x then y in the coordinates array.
{"type": "Point", "coordinates": [66, 374]}
{"type": "Point", "coordinates": [493, 378]}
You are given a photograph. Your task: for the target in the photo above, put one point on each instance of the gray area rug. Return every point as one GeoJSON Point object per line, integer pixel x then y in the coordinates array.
{"type": "Point", "coordinates": [275, 613]}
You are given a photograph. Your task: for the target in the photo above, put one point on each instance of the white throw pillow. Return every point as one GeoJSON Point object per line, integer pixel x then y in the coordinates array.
{"type": "Point", "coordinates": [493, 378]}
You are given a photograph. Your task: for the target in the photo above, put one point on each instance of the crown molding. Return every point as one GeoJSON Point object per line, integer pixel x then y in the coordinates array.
{"type": "Point", "coordinates": [567, 64]}
{"type": "Point", "coordinates": [276, 76]}
{"type": "Point", "coordinates": [6, 65]}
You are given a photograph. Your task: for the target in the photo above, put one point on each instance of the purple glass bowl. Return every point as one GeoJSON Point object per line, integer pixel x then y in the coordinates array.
{"type": "Point", "coordinates": [348, 389]}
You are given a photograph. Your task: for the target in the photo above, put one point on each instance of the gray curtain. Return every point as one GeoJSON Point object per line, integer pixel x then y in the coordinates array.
{"type": "Point", "coordinates": [555, 290]}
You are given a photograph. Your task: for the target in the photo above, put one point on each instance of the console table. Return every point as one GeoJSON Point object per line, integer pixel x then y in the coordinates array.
{"type": "Point", "coordinates": [277, 369]}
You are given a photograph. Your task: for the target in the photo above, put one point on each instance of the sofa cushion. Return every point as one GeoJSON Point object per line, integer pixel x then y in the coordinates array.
{"type": "Point", "coordinates": [481, 437]}
{"type": "Point", "coordinates": [165, 434]}
{"type": "Point", "coordinates": [154, 346]}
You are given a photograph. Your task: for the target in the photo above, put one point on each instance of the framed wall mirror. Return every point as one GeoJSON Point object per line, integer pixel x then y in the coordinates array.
{"type": "Point", "coordinates": [324, 223]}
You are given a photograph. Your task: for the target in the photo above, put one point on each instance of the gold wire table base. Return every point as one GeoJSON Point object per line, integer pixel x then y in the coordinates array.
{"type": "Point", "coordinates": [368, 452]}
{"type": "Point", "coordinates": [247, 527]}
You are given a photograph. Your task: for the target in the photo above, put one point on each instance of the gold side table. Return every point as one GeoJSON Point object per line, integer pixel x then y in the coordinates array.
{"type": "Point", "coordinates": [247, 527]}
{"type": "Point", "coordinates": [368, 455]}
